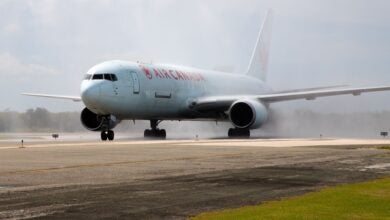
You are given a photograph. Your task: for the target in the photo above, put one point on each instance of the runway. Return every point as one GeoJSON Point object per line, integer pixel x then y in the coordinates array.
{"type": "Point", "coordinates": [173, 179]}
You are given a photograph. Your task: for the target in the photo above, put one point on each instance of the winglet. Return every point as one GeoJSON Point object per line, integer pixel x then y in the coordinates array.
{"type": "Point", "coordinates": [258, 65]}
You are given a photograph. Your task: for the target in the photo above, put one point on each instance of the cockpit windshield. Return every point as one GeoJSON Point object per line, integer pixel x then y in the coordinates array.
{"type": "Point", "coordinates": [111, 77]}
{"type": "Point", "coordinates": [101, 76]}
{"type": "Point", "coordinates": [97, 76]}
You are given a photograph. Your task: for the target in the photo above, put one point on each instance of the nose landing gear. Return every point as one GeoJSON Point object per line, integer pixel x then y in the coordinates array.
{"type": "Point", "coordinates": [106, 132]}
{"type": "Point", "coordinates": [155, 132]}
{"type": "Point", "coordinates": [107, 135]}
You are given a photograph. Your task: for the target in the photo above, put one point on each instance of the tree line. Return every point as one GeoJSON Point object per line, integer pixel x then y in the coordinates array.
{"type": "Point", "coordinates": [40, 120]}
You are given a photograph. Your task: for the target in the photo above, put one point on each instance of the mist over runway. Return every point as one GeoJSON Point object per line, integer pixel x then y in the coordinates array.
{"type": "Point", "coordinates": [173, 179]}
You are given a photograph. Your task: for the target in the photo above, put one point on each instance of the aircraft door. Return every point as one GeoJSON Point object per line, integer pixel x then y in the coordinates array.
{"type": "Point", "coordinates": [136, 86]}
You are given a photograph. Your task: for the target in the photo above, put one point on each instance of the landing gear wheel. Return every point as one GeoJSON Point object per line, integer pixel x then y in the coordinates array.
{"type": "Point", "coordinates": [103, 136]}
{"type": "Point", "coordinates": [110, 135]}
{"type": "Point", "coordinates": [155, 132]}
{"type": "Point", "coordinates": [147, 133]}
{"type": "Point", "coordinates": [239, 133]}
{"type": "Point", "coordinates": [162, 134]}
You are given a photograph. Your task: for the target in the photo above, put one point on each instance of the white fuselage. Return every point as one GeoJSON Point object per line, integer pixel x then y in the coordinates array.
{"type": "Point", "coordinates": [151, 91]}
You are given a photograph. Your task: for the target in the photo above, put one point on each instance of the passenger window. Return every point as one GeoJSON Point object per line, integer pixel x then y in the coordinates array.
{"type": "Point", "coordinates": [98, 76]}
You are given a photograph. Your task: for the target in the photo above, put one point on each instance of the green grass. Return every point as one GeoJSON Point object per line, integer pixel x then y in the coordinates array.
{"type": "Point", "coordinates": [370, 200]}
{"type": "Point", "coordinates": [384, 147]}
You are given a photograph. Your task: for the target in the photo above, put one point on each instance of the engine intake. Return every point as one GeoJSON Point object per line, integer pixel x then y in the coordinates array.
{"type": "Point", "coordinates": [95, 122]}
{"type": "Point", "coordinates": [248, 114]}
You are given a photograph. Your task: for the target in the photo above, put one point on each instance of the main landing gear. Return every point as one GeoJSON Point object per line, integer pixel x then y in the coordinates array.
{"type": "Point", "coordinates": [155, 132]}
{"type": "Point", "coordinates": [107, 135]}
{"type": "Point", "coordinates": [239, 133]}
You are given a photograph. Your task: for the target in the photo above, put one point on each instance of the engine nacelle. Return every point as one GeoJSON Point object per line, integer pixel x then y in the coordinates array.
{"type": "Point", "coordinates": [248, 114]}
{"type": "Point", "coordinates": [94, 122]}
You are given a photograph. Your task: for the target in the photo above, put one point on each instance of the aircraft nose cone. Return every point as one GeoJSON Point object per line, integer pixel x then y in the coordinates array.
{"type": "Point", "coordinates": [90, 95]}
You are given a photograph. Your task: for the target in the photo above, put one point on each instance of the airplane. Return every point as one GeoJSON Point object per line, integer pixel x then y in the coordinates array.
{"type": "Point", "coordinates": [114, 91]}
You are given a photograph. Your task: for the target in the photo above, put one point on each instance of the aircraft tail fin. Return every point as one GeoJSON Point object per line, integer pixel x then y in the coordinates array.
{"type": "Point", "coordinates": [258, 65]}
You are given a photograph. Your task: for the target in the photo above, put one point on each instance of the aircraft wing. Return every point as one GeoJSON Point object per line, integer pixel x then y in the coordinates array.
{"type": "Point", "coordinates": [73, 98]}
{"type": "Point", "coordinates": [310, 89]}
{"type": "Point", "coordinates": [311, 95]}
{"type": "Point", "coordinates": [222, 103]}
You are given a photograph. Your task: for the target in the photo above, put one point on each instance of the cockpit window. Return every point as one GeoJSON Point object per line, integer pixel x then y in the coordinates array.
{"type": "Point", "coordinates": [100, 76]}
{"type": "Point", "coordinates": [97, 76]}
{"type": "Point", "coordinates": [113, 77]}
{"type": "Point", "coordinates": [87, 76]}
{"type": "Point", "coordinates": [107, 77]}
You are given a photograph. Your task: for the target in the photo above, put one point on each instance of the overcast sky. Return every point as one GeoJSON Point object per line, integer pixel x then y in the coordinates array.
{"type": "Point", "coordinates": [48, 45]}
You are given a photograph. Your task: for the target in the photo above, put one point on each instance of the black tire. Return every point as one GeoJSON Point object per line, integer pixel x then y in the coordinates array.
{"type": "Point", "coordinates": [147, 133]}
{"type": "Point", "coordinates": [110, 135]}
{"type": "Point", "coordinates": [155, 133]}
{"type": "Point", "coordinates": [103, 136]}
{"type": "Point", "coordinates": [162, 133]}
{"type": "Point", "coordinates": [246, 133]}
{"type": "Point", "coordinates": [231, 132]}
{"type": "Point", "coordinates": [234, 133]}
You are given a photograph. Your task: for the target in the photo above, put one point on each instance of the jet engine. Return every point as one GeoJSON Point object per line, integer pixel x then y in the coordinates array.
{"type": "Point", "coordinates": [94, 122]}
{"type": "Point", "coordinates": [248, 114]}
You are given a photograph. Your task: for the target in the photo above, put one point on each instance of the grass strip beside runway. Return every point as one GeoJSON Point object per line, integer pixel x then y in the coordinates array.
{"type": "Point", "coordinates": [369, 200]}
{"type": "Point", "coordinates": [384, 147]}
